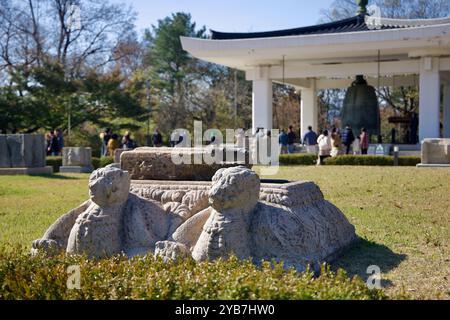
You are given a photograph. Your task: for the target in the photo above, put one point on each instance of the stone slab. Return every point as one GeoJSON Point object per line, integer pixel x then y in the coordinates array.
{"type": "Point", "coordinates": [76, 169]}
{"type": "Point", "coordinates": [22, 151]}
{"type": "Point", "coordinates": [4, 152]}
{"type": "Point", "coordinates": [159, 163]}
{"type": "Point", "coordinates": [436, 151]}
{"type": "Point", "coordinates": [26, 171]}
{"type": "Point", "coordinates": [421, 165]}
{"type": "Point", "coordinates": [77, 157]}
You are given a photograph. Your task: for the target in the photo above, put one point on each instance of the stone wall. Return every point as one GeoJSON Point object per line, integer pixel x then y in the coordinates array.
{"type": "Point", "coordinates": [22, 151]}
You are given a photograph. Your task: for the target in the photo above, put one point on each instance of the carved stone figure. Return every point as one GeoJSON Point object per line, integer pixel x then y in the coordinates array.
{"type": "Point", "coordinates": [113, 221]}
{"type": "Point", "coordinates": [298, 229]}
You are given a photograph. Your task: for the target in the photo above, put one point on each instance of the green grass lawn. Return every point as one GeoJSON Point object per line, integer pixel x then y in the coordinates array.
{"type": "Point", "coordinates": [402, 214]}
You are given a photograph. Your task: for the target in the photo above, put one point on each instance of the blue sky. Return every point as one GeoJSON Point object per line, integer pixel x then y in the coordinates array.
{"type": "Point", "coordinates": [233, 15]}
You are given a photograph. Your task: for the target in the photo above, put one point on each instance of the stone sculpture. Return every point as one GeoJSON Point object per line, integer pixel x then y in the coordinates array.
{"type": "Point", "coordinates": [233, 214]}
{"type": "Point", "coordinates": [76, 160]}
{"type": "Point", "coordinates": [113, 221]}
{"type": "Point", "coordinates": [277, 227]}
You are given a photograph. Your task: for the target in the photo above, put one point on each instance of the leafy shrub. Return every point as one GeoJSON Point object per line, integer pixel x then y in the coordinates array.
{"type": "Point", "coordinates": [96, 162]}
{"type": "Point", "coordinates": [409, 161]}
{"type": "Point", "coordinates": [101, 162]}
{"type": "Point", "coordinates": [366, 160]}
{"type": "Point", "coordinates": [25, 277]}
{"type": "Point", "coordinates": [54, 162]}
{"type": "Point", "coordinates": [298, 159]}
{"type": "Point", "coordinates": [104, 161]}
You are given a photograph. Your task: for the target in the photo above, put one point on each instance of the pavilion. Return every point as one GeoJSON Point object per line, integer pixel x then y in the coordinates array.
{"type": "Point", "coordinates": [388, 52]}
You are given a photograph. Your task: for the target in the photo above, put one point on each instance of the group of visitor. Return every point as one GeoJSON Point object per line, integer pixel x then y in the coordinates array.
{"type": "Point", "coordinates": [287, 140]}
{"type": "Point", "coordinates": [334, 144]}
{"type": "Point", "coordinates": [110, 142]}
{"type": "Point", "coordinates": [54, 142]}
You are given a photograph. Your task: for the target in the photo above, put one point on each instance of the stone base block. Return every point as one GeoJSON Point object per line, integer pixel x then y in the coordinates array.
{"type": "Point", "coordinates": [26, 171]}
{"type": "Point", "coordinates": [421, 165]}
{"type": "Point", "coordinates": [75, 169]}
{"type": "Point", "coordinates": [178, 164]}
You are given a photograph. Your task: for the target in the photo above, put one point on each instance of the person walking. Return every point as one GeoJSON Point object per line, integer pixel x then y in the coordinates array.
{"type": "Point", "coordinates": [324, 142]}
{"type": "Point", "coordinates": [106, 136]}
{"type": "Point", "coordinates": [347, 138]}
{"type": "Point", "coordinates": [291, 140]}
{"type": "Point", "coordinates": [60, 140]}
{"type": "Point", "coordinates": [54, 145]}
{"type": "Point", "coordinates": [336, 142]}
{"type": "Point", "coordinates": [364, 137]}
{"type": "Point", "coordinates": [310, 141]}
{"type": "Point", "coordinates": [113, 144]}
{"type": "Point", "coordinates": [128, 142]}
{"type": "Point", "coordinates": [48, 143]}
{"type": "Point", "coordinates": [283, 140]}
{"type": "Point", "coordinates": [356, 146]}
{"type": "Point", "coordinates": [157, 139]}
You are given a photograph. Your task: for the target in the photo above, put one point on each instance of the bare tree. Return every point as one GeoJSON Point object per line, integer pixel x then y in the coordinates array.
{"type": "Point", "coordinates": [75, 34]}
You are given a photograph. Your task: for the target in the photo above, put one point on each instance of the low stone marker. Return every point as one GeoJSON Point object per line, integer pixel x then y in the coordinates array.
{"type": "Point", "coordinates": [23, 154]}
{"type": "Point", "coordinates": [435, 153]}
{"type": "Point", "coordinates": [77, 160]}
{"type": "Point", "coordinates": [159, 164]}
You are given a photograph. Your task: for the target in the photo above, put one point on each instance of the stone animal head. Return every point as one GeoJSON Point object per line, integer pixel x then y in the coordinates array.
{"type": "Point", "coordinates": [236, 187]}
{"type": "Point", "coordinates": [109, 186]}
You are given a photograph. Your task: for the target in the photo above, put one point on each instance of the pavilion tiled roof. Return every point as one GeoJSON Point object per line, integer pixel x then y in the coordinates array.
{"type": "Point", "coordinates": [357, 23]}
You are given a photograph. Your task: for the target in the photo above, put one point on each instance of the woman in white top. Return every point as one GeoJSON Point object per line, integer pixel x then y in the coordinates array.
{"type": "Point", "coordinates": [324, 143]}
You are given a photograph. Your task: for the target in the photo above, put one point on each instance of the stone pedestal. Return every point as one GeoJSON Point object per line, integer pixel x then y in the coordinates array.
{"type": "Point", "coordinates": [435, 153]}
{"type": "Point", "coordinates": [23, 154]}
{"type": "Point", "coordinates": [77, 160]}
{"type": "Point", "coordinates": [178, 164]}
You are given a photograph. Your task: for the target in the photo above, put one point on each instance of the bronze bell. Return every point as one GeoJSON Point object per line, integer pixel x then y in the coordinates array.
{"type": "Point", "coordinates": [361, 107]}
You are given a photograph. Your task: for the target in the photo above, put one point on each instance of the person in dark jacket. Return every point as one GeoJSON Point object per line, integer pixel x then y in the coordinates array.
{"type": "Point", "coordinates": [157, 138]}
{"type": "Point", "coordinates": [291, 140]}
{"type": "Point", "coordinates": [347, 138]}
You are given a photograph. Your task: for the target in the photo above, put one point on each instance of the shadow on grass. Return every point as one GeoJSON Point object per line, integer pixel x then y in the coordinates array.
{"type": "Point", "coordinates": [58, 176]}
{"type": "Point", "coordinates": [362, 254]}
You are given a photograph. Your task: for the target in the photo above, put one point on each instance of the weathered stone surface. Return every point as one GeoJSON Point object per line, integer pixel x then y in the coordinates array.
{"type": "Point", "coordinates": [436, 151]}
{"type": "Point", "coordinates": [77, 156]}
{"type": "Point", "coordinates": [291, 222]}
{"type": "Point", "coordinates": [117, 154]}
{"type": "Point", "coordinates": [76, 160]}
{"type": "Point", "coordinates": [4, 152]}
{"type": "Point", "coordinates": [22, 151]}
{"type": "Point", "coordinates": [170, 250]}
{"type": "Point", "coordinates": [168, 163]}
{"type": "Point", "coordinates": [113, 221]}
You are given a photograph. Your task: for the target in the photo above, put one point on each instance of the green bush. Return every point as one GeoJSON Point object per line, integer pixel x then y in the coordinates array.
{"type": "Point", "coordinates": [409, 161]}
{"type": "Point", "coordinates": [298, 159]}
{"type": "Point", "coordinates": [54, 162]}
{"type": "Point", "coordinates": [96, 162]}
{"type": "Point", "coordinates": [347, 160]}
{"type": "Point", "coordinates": [366, 160]}
{"type": "Point", "coordinates": [101, 162]}
{"type": "Point", "coordinates": [26, 277]}
{"type": "Point", "coordinates": [104, 161]}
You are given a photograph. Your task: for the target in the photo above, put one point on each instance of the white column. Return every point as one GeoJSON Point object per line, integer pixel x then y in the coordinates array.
{"type": "Point", "coordinates": [447, 111]}
{"type": "Point", "coordinates": [309, 109]}
{"type": "Point", "coordinates": [429, 102]}
{"type": "Point", "coordinates": [262, 100]}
